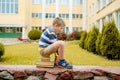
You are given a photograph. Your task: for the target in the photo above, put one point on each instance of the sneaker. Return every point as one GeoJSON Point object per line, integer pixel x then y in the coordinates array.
{"type": "Point", "coordinates": [65, 64]}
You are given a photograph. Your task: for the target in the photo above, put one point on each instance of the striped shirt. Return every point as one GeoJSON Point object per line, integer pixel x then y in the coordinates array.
{"type": "Point", "coordinates": [48, 37]}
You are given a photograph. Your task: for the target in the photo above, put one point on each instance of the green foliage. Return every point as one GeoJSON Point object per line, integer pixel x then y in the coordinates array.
{"type": "Point", "coordinates": [92, 39]}
{"type": "Point", "coordinates": [2, 50]}
{"type": "Point", "coordinates": [98, 42]}
{"type": "Point", "coordinates": [34, 34]}
{"type": "Point", "coordinates": [82, 39]}
{"type": "Point", "coordinates": [110, 43]}
{"type": "Point", "coordinates": [86, 41]}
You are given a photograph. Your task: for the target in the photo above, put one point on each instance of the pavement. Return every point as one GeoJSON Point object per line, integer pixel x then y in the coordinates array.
{"type": "Point", "coordinates": [10, 41]}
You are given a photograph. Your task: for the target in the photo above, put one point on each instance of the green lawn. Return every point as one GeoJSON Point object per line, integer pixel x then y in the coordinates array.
{"type": "Point", "coordinates": [27, 54]}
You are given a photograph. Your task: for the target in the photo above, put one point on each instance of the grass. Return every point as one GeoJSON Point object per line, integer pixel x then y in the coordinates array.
{"type": "Point", "coordinates": [27, 54]}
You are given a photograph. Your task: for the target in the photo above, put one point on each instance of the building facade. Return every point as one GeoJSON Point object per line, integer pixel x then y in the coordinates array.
{"type": "Point", "coordinates": [101, 11]}
{"type": "Point", "coordinates": [18, 17]}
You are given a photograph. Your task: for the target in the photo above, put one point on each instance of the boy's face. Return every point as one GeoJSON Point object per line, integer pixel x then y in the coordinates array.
{"type": "Point", "coordinates": [58, 29]}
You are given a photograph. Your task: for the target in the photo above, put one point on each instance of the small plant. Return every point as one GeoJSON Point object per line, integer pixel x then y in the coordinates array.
{"type": "Point", "coordinates": [34, 34]}
{"type": "Point", "coordinates": [2, 50]}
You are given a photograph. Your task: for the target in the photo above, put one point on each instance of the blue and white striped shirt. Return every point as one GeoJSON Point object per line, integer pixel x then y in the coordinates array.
{"type": "Point", "coordinates": [48, 37]}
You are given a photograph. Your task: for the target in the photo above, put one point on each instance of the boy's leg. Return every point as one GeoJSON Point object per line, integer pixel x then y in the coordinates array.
{"type": "Point", "coordinates": [57, 46]}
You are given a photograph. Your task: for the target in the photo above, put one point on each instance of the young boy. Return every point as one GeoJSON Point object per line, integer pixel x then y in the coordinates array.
{"type": "Point", "coordinates": [49, 42]}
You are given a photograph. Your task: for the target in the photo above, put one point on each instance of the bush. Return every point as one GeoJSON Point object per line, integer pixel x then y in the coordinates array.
{"type": "Point", "coordinates": [82, 39]}
{"type": "Point", "coordinates": [61, 36]}
{"type": "Point", "coordinates": [34, 34]}
{"type": "Point", "coordinates": [86, 41]}
{"type": "Point", "coordinates": [75, 35]}
{"type": "Point", "coordinates": [98, 42]}
{"type": "Point", "coordinates": [92, 39]}
{"type": "Point", "coordinates": [2, 50]}
{"type": "Point", "coordinates": [110, 43]}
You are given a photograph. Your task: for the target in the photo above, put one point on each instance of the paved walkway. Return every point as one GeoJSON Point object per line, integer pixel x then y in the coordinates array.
{"type": "Point", "coordinates": [10, 41]}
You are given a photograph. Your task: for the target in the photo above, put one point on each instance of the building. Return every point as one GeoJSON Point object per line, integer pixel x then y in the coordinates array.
{"type": "Point", "coordinates": [18, 17]}
{"type": "Point", "coordinates": [100, 11]}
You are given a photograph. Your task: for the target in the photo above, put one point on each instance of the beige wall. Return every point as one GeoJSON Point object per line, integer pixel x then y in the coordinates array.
{"type": "Point", "coordinates": [108, 9]}
{"type": "Point", "coordinates": [15, 18]}
{"type": "Point", "coordinates": [36, 8]}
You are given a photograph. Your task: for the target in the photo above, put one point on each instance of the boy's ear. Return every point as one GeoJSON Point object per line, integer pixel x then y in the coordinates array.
{"type": "Point", "coordinates": [56, 25]}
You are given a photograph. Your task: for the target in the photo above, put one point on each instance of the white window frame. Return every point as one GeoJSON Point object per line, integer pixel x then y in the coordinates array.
{"type": "Point", "coordinates": [8, 7]}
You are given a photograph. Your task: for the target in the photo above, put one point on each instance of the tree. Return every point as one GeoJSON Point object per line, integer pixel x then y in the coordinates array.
{"type": "Point", "coordinates": [82, 39]}
{"type": "Point", "coordinates": [110, 41]}
{"type": "Point", "coordinates": [92, 39]}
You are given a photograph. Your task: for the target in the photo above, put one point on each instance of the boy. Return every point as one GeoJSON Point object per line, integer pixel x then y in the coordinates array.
{"type": "Point", "coordinates": [48, 41]}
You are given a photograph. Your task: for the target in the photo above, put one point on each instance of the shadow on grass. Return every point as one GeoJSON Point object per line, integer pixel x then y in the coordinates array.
{"type": "Point", "coordinates": [3, 59]}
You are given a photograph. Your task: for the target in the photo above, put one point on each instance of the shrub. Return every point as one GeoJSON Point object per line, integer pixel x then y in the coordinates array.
{"type": "Point", "coordinates": [75, 35]}
{"type": "Point", "coordinates": [92, 39]}
{"type": "Point", "coordinates": [61, 36]}
{"type": "Point", "coordinates": [2, 50]}
{"type": "Point", "coordinates": [34, 34]}
{"type": "Point", "coordinates": [86, 41]}
{"type": "Point", "coordinates": [98, 42]}
{"type": "Point", "coordinates": [82, 39]}
{"type": "Point", "coordinates": [110, 44]}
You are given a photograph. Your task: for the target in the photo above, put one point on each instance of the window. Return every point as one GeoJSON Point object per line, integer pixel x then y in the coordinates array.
{"type": "Point", "coordinates": [77, 16]}
{"type": "Point", "coordinates": [110, 17]}
{"type": "Point", "coordinates": [50, 15]}
{"type": "Point", "coordinates": [18, 29]}
{"type": "Point", "coordinates": [77, 2]}
{"type": "Point", "coordinates": [103, 20]}
{"type": "Point", "coordinates": [8, 29]}
{"type": "Point", "coordinates": [64, 15]}
{"type": "Point", "coordinates": [37, 1]}
{"type": "Point", "coordinates": [50, 1]}
{"type": "Point", "coordinates": [9, 6]}
{"type": "Point", "coordinates": [36, 27]}
{"type": "Point", "coordinates": [103, 3]}
{"type": "Point", "coordinates": [66, 30]}
{"type": "Point", "coordinates": [109, 1]}
{"type": "Point", "coordinates": [118, 19]}
{"type": "Point", "coordinates": [98, 5]}
{"type": "Point", "coordinates": [37, 15]}
{"type": "Point", "coordinates": [64, 2]}
{"type": "Point", "coordinates": [98, 24]}
{"type": "Point", "coordinates": [77, 28]}
{"type": "Point", "coordinates": [0, 29]}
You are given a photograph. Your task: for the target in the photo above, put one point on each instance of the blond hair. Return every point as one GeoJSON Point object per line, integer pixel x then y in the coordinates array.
{"type": "Point", "coordinates": [59, 22]}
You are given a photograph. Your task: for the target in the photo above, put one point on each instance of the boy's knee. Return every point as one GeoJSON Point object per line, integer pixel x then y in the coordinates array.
{"type": "Point", "coordinates": [61, 43]}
